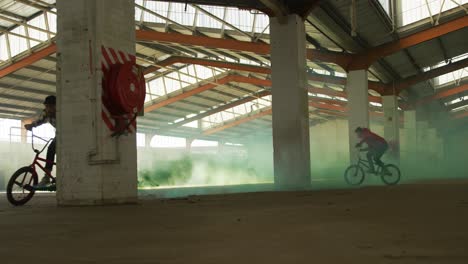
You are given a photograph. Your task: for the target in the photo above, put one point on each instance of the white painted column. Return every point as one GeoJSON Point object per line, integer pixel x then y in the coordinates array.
{"type": "Point", "coordinates": [290, 104]}
{"type": "Point", "coordinates": [392, 125]}
{"type": "Point", "coordinates": [358, 106]}
{"type": "Point", "coordinates": [93, 168]}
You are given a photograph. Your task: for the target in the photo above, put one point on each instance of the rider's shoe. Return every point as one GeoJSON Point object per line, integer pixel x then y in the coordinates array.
{"type": "Point", "coordinates": [46, 181]}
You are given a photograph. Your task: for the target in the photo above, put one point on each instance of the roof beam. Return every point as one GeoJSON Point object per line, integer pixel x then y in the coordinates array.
{"type": "Point", "coordinates": [206, 62]}
{"type": "Point", "coordinates": [20, 107]}
{"type": "Point", "coordinates": [319, 103]}
{"type": "Point", "coordinates": [404, 84]}
{"type": "Point", "coordinates": [22, 98]}
{"type": "Point", "coordinates": [229, 44]}
{"type": "Point", "coordinates": [443, 94]}
{"type": "Point", "coordinates": [243, 79]}
{"type": "Point", "coordinates": [35, 56]}
{"type": "Point", "coordinates": [237, 122]}
{"type": "Point", "coordinates": [333, 93]}
{"type": "Point", "coordinates": [463, 114]}
{"type": "Point", "coordinates": [457, 105]}
{"type": "Point", "coordinates": [364, 60]}
{"type": "Point", "coordinates": [206, 87]}
{"type": "Point", "coordinates": [278, 8]}
{"type": "Point", "coordinates": [24, 89]}
{"type": "Point", "coordinates": [376, 86]}
{"type": "Point", "coordinates": [237, 45]}
{"type": "Point", "coordinates": [218, 109]}
{"type": "Point", "coordinates": [188, 93]}
{"type": "Point", "coordinates": [13, 15]}
{"type": "Point", "coordinates": [346, 61]}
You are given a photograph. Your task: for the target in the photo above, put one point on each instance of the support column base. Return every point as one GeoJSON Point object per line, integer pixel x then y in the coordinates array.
{"type": "Point", "coordinates": [92, 202]}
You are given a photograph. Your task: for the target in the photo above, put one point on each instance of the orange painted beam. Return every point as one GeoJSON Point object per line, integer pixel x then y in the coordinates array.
{"type": "Point", "coordinates": [429, 75]}
{"type": "Point", "coordinates": [331, 112]}
{"type": "Point", "coordinates": [237, 122]}
{"type": "Point", "coordinates": [231, 44]}
{"type": "Point", "coordinates": [378, 87]}
{"type": "Point", "coordinates": [442, 94]}
{"type": "Point", "coordinates": [461, 115]}
{"type": "Point", "coordinates": [242, 79]}
{"type": "Point", "coordinates": [189, 93]}
{"type": "Point", "coordinates": [327, 106]}
{"type": "Point", "coordinates": [340, 59]}
{"type": "Point", "coordinates": [212, 63]}
{"type": "Point", "coordinates": [323, 105]}
{"type": "Point", "coordinates": [224, 80]}
{"type": "Point", "coordinates": [363, 61]}
{"type": "Point", "coordinates": [32, 58]}
{"type": "Point", "coordinates": [346, 61]}
{"type": "Point", "coordinates": [333, 93]}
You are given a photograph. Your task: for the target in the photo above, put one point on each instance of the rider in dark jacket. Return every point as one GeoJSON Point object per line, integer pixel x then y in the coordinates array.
{"type": "Point", "coordinates": [47, 116]}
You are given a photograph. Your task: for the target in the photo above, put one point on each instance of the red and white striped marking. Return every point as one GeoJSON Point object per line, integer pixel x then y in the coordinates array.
{"type": "Point", "coordinates": [109, 57]}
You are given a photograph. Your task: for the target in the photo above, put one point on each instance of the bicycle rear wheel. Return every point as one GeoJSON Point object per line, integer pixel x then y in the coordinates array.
{"type": "Point", "coordinates": [354, 175]}
{"type": "Point", "coordinates": [20, 186]}
{"type": "Point", "coordinates": [390, 174]}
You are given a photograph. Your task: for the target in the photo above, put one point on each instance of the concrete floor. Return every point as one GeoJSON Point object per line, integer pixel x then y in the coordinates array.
{"type": "Point", "coordinates": [419, 223]}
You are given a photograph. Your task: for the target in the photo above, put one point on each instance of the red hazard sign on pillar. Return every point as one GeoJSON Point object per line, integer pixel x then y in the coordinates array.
{"type": "Point", "coordinates": [123, 90]}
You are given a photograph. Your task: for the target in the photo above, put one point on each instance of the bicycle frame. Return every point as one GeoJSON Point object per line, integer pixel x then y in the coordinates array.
{"type": "Point", "coordinates": [37, 159]}
{"type": "Point", "coordinates": [365, 163]}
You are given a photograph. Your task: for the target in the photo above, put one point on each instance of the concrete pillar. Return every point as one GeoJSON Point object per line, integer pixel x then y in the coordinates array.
{"type": "Point", "coordinates": [392, 125]}
{"type": "Point", "coordinates": [93, 168]}
{"type": "Point", "coordinates": [290, 104]}
{"type": "Point", "coordinates": [358, 104]}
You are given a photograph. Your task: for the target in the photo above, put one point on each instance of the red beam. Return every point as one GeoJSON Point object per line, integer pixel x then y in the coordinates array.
{"type": "Point", "coordinates": [323, 105]}
{"type": "Point", "coordinates": [212, 63]}
{"type": "Point", "coordinates": [242, 79]}
{"type": "Point", "coordinates": [378, 87]}
{"type": "Point", "coordinates": [231, 44]}
{"type": "Point", "coordinates": [363, 61]}
{"type": "Point", "coordinates": [340, 59]}
{"type": "Point", "coordinates": [217, 110]}
{"type": "Point", "coordinates": [224, 80]}
{"type": "Point", "coordinates": [32, 58]}
{"type": "Point", "coordinates": [461, 115]}
{"type": "Point", "coordinates": [237, 122]}
{"type": "Point", "coordinates": [189, 93]}
{"type": "Point", "coordinates": [429, 75]}
{"type": "Point", "coordinates": [443, 94]}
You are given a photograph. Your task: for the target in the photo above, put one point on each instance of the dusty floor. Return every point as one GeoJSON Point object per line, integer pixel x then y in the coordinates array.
{"type": "Point", "coordinates": [424, 223]}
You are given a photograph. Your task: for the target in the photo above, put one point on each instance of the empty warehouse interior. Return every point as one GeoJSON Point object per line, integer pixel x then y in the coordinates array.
{"type": "Point", "coordinates": [207, 131]}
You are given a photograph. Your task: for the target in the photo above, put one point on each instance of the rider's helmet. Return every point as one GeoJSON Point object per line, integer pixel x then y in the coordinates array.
{"type": "Point", "coordinates": [50, 100]}
{"type": "Point", "coordinates": [358, 130]}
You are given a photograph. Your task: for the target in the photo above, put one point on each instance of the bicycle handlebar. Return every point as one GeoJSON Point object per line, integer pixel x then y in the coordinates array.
{"type": "Point", "coordinates": [47, 141]}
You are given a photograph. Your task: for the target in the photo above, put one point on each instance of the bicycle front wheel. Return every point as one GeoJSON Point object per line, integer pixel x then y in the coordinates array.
{"type": "Point", "coordinates": [20, 186]}
{"type": "Point", "coordinates": [354, 175]}
{"type": "Point", "coordinates": [390, 174]}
